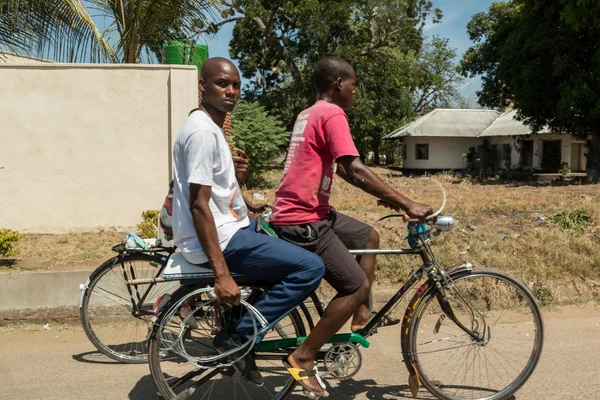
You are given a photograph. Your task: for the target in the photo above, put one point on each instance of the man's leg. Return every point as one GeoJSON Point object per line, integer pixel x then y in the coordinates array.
{"type": "Point", "coordinates": [296, 273]}
{"type": "Point", "coordinates": [367, 263]}
{"type": "Point", "coordinates": [358, 235]}
{"type": "Point", "coordinates": [346, 276]}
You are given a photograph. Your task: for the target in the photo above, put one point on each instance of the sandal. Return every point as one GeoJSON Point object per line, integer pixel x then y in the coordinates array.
{"type": "Point", "coordinates": [300, 375]}
{"type": "Point", "coordinates": [385, 321]}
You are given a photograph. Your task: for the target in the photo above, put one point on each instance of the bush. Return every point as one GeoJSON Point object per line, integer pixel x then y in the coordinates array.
{"type": "Point", "coordinates": [564, 168]}
{"type": "Point", "coordinates": [260, 135]}
{"type": "Point", "coordinates": [147, 228]}
{"type": "Point", "coordinates": [8, 240]}
{"type": "Point", "coordinates": [573, 222]}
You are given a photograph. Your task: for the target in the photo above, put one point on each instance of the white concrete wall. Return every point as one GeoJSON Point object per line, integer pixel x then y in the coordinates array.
{"type": "Point", "coordinates": [444, 153]}
{"type": "Point", "coordinates": [87, 146]}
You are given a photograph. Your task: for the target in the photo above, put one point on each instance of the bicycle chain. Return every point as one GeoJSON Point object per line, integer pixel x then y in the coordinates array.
{"type": "Point", "coordinates": [346, 349]}
{"type": "Point", "coordinates": [327, 374]}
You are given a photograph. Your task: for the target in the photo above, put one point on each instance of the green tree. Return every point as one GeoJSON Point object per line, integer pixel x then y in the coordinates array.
{"type": "Point", "coordinates": [64, 30]}
{"type": "Point", "coordinates": [278, 42]}
{"type": "Point", "coordinates": [544, 57]}
{"type": "Point", "coordinates": [260, 135]}
{"type": "Point", "coordinates": [394, 88]}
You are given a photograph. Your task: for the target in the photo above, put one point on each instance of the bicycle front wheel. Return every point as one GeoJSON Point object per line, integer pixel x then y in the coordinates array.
{"type": "Point", "coordinates": [116, 317]}
{"type": "Point", "coordinates": [507, 323]}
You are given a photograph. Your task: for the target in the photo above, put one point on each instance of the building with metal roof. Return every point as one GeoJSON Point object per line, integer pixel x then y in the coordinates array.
{"type": "Point", "coordinates": [443, 138]}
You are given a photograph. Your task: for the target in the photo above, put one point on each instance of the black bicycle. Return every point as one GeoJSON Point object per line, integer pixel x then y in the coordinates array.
{"type": "Point", "coordinates": [467, 333]}
{"type": "Point", "coordinates": [117, 316]}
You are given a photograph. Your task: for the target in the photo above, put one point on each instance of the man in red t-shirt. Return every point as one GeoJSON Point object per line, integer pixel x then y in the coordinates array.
{"type": "Point", "coordinates": [321, 145]}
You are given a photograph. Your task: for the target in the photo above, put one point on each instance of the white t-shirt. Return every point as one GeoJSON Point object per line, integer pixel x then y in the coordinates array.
{"type": "Point", "coordinates": [201, 155]}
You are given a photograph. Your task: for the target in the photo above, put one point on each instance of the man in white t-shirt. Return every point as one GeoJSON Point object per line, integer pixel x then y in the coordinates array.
{"type": "Point", "coordinates": [210, 221]}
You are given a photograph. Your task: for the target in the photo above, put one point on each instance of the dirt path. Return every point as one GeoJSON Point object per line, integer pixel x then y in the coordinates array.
{"type": "Point", "coordinates": [64, 365]}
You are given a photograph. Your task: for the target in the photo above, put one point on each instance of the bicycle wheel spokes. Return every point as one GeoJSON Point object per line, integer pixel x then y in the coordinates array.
{"type": "Point", "coordinates": [457, 366]}
{"type": "Point", "coordinates": [117, 317]}
{"type": "Point", "coordinates": [187, 370]}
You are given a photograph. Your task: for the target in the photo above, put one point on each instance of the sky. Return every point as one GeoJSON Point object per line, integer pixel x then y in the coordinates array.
{"type": "Point", "coordinates": [457, 13]}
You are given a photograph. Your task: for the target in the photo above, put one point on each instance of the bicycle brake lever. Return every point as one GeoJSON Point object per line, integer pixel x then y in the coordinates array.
{"type": "Point", "coordinates": [390, 216]}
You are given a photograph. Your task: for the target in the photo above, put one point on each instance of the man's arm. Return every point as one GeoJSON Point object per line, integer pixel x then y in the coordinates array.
{"type": "Point", "coordinates": [226, 289]}
{"type": "Point", "coordinates": [353, 171]}
{"type": "Point", "coordinates": [254, 207]}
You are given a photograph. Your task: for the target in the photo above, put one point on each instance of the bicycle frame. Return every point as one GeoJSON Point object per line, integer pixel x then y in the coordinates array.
{"type": "Point", "coordinates": [137, 310]}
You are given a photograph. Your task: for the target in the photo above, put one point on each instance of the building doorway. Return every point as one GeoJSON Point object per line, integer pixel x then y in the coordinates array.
{"type": "Point", "coordinates": [527, 153]}
{"type": "Point", "coordinates": [576, 150]}
{"type": "Point", "coordinates": [551, 155]}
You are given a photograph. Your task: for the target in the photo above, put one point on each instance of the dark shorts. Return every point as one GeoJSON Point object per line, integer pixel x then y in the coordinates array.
{"type": "Point", "coordinates": [331, 239]}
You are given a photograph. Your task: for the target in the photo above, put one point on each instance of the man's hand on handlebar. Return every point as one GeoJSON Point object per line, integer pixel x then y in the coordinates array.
{"type": "Point", "coordinates": [416, 211]}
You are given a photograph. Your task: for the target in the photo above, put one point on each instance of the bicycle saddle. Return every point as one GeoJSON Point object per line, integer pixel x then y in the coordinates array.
{"type": "Point", "coordinates": [180, 268]}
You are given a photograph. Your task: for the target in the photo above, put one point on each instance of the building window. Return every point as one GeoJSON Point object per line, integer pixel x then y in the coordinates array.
{"type": "Point", "coordinates": [499, 156]}
{"type": "Point", "coordinates": [403, 151]}
{"type": "Point", "coordinates": [527, 153]}
{"type": "Point", "coordinates": [422, 152]}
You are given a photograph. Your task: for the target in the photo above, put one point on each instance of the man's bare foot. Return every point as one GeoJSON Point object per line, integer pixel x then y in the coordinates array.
{"type": "Point", "coordinates": [361, 318]}
{"type": "Point", "coordinates": [311, 382]}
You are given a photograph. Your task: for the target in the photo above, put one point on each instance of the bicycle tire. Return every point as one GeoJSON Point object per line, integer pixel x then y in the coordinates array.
{"type": "Point", "coordinates": [228, 383]}
{"type": "Point", "coordinates": [482, 301]}
{"type": "Point", "coordinates": [304, 309]}
{"type": "Point", "coordinates": [106, 307]}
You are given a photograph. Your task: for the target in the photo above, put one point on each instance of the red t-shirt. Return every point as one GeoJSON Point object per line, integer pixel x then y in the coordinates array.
{"type": "Point", "coordinates": [321, 136]}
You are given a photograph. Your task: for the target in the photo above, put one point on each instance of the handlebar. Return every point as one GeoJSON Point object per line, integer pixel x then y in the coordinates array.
{"type": "Point", "coordinates": [428, 218]}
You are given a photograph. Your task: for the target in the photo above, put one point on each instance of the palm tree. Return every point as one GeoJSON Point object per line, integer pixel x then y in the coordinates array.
{"type": "Point", "coordinates": [125, 31]}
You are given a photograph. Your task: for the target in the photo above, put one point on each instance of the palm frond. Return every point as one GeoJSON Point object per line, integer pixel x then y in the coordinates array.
{"type": "Point", "coordinates": [61, 30]}
{"type": "Point", "coordinates": [66, 30]}
{"type": "Point", "coordinates": [143, 26]}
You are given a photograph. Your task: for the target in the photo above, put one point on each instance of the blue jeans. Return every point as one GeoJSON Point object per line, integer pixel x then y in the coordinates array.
{"type": "Point", "coordinates": [295, 273]}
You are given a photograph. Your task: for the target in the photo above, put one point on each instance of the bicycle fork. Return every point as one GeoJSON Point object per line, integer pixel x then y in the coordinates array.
{"type": "Point", "coordinates": [449, 312]}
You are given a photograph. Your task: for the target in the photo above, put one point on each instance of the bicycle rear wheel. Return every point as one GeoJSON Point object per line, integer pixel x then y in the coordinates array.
{"type": "Point", "coordinates": [502, 312]}
{"type": "Point", "coordinates": [184, 372]}
{"type": "Point", "coordinates": [116, 317]}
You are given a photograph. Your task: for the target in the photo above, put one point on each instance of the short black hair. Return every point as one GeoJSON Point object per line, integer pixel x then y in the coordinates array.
{"type": "Point", "coordinates": [328, 70]}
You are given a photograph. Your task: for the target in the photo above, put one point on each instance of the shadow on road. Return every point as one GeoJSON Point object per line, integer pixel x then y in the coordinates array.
{"type": "Point", "coordinates": [144, 389]}
{"type": "Point", "coordinates": [347, 389]}
{"type": "Point", "coordinates": [93, 357]}
{"type": "Point", "coordinates": [350, 389]}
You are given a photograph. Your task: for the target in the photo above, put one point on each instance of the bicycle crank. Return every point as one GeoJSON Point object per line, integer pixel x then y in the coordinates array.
{"type": "Point", "coordinates": [342, 361]}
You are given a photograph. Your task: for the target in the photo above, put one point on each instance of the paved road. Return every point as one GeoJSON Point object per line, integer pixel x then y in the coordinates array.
{"type": "Point", "coordinates": [63, 365]}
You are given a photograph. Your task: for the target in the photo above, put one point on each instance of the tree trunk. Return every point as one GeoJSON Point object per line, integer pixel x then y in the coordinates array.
{"type": "Point", "coordinates": [390, 153]}
{"type": "Point", "coordinates": [375, 148]}
{"type": "Point", "coordinates": [593, 155]}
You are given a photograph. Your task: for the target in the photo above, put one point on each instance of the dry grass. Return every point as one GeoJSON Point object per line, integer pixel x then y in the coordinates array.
{"type": "Point", "coordinates": [497, 225]}
{"type": "Point", "coordinates": [70, 252]}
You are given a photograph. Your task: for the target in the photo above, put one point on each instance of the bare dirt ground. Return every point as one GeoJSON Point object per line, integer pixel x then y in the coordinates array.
{"type": "Point", "coordinates": [62, 364]}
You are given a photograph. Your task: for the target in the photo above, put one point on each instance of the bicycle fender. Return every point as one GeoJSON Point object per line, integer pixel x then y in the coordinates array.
{"type": "Point", "coordinates": [412, 304]}
{"type": "Point", "coordinates": [84, 286]}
